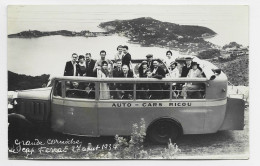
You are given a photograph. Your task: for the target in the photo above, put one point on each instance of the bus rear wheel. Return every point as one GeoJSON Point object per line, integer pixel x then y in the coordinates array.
{"type": "Point", "coordinates": [163, 130]}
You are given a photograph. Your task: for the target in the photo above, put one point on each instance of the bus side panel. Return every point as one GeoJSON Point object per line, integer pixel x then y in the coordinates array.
{"type": "Point", "coordinates": [57, 117]}
{"type": "Point", "coordinates": [214, 118]}
{"type": "Point", "coordinates": [234, 118]}
{"type": "Point", "coordinates": [120, 120]}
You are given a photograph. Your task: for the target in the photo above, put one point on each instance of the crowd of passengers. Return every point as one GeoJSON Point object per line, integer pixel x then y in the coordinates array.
{"type": "Point", "coordinates": [121, 66]}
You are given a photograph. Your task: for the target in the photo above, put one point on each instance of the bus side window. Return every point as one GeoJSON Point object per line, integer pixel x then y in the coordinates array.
{"type": "Point", "coordinates": [57, 89]}
{"type": "Point", "coordinates": [121, 91]}
{"type": "Point", "coordinates": [152, 91]}
{"type": "Point", "coordinates": [193, 91]}
{"type": "Point", "coordinates": [83, 90]}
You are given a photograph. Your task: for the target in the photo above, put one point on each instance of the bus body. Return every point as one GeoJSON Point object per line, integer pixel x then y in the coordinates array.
{"type": "Point", "coordinates": [165, 117]}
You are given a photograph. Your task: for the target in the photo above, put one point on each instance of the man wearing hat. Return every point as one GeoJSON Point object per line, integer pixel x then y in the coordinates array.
{"type": "Point", "coordinates": [149, 62]}
{"type": "Point", "coordinates": [187, 67]}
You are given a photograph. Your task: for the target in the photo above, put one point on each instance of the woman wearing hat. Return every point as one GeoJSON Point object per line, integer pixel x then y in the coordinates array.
{"type": "Point", "coordinates": [194, 71]}
{"type": "Point", "coordinates": [189, 89]}
{"type": "Point", "coordinates": [173, 71]}
{"type": "Point", "coordinates": [143, 69]}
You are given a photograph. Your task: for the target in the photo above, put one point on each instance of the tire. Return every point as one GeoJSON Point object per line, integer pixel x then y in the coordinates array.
{"type": "Point", "coordinates": [20, 129]}
{"type": "Point", "coordinates": [164, 129]}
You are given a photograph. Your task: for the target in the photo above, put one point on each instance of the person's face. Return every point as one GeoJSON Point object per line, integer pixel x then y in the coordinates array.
{"type": "Point", "coordinates": [149, 74]}
{"type": "Point", "coordinates": [88, 57]}
{"type": "Point", "coordinates": [169, 55]}
{"type": "Point", "coordinates": [75, 84]}
{"type": "Point", "coordinates": [103, 55]}
{"type": "Point", "coordinates": [88, 89]}
{"type": "Point", "coordinates": [155, 64]}
{"type": "Point", "coordinates": [173, 66]}
{"type": "Point", "coordinates": [125, 69]}
{"type": "Point", "coordinates": [120, 49]}
{"type": "Point", "coordinates": [149, 59]}
{"type": "Point", "coordinates": [119, 63]}
{"type": "Point", "coordinates": [81, 60]}
{"type": "Point", "coordinates": [105, 67]}
{"type": "Point", "coordinates": [124, 50]}
{"type": "Point", "coordinates": [74, 58]}
{"type": "Point", "coordinates": [144, 66]}
{"type": "Point", "coordinates": [188, 62]}
{"type": "Point", "coordinates": [194, 67]}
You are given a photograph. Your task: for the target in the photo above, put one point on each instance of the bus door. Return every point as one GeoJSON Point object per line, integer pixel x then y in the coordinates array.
{"type": "Point", "coordinates": [80, 111]}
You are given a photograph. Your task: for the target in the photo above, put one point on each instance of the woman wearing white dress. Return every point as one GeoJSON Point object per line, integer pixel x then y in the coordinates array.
{"type": "Point", "coordinates": [104, 72]}
{"type": "Point", "coordinates": [189, 89]}
{"type": "Point", "coordinates": [173, 71]}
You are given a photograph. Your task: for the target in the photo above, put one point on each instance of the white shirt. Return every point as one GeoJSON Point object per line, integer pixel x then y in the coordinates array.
{"type": "Point", "coordinates": [194, 73]}
{"type": "Point", "coordinates": [74, 68]}
{"type": "Point", "coordinates": [154, 70]}
{"type": "Point", "coordinates": [175, 73]}
{"type": "Point", "coordinates": [118, 56]}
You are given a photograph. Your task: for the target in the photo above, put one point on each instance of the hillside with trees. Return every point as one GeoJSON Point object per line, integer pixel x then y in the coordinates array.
{"type": "Point", "coordinates": [150, 32]}
{"type": "Point", "coordinates": [236, 70]}
{"type": "Point", "coordinates": [22, 82]}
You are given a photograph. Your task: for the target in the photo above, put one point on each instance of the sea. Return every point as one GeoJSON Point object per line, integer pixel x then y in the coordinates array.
{"type": "Point", "coordinates": [48, 55]}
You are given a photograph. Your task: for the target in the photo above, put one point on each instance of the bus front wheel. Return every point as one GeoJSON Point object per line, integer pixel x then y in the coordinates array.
{"type": "Point", "coordinates": [163, 130]}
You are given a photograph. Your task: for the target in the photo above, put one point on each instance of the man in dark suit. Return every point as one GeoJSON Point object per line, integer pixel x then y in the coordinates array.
{"type": "Point", "coordinates": [126, 58]}
{"type": "Point", "coordinates": [70, 68]}
{"type": "Point", "coordinates": [116, 73]}
{"type": "Point", "coordinates": [187, 67]}
{"type": "Point", "coordinates": [90, 63]}
{"type": "Point", "coordinates": [118, 70]}
{"type": "Point", "coordinates": [158, 70]}
{"type": "Point", "coordinates": [126, 88]}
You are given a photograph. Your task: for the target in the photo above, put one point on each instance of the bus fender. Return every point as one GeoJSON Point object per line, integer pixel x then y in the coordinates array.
{"type": "Point", "coordinates": [166, 118]}
{"type": "Point", "coordinates": [234, 117]}
{"type": "Point", "coordinates": [18, 119]}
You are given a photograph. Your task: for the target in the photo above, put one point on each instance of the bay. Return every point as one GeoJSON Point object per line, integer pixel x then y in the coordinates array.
{"type": "Point", "coordinates": [48, 55]}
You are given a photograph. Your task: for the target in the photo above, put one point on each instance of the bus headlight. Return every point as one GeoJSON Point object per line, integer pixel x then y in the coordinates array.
{"type": "Point", "coordinates": [11, 95]}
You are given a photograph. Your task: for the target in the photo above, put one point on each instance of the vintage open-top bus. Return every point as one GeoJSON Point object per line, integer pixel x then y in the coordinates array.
{"type": "Point", "coordinates": [82, 106]}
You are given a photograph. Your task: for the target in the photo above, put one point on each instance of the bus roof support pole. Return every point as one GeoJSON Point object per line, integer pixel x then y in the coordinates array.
{"type": "Point", "coordinates": [171, 91]}
{"type": "Point", "coordinates": [134, 91]}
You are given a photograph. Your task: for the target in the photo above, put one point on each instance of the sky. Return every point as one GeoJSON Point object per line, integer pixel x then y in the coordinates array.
{"type": "Point", "coordinates": [230, 22]}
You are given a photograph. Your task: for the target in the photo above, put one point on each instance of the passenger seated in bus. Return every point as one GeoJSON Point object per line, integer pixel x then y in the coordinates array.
{"type": "Point", "coordinates": [118, 69]}
{"type": "Point", "coordinates": [114, 86]}
{"type": "Point", "coordinates": [173, 72]}
{"type": "Point", "coordinates": [158, 70]}
{"type": "Point", "coordinates": [74, 92]}
{"type": "Point", "coordinates": [154, 90]}
{"type": "Point", "coordinates": [89, 93]}
{"type": "Point", "coordinates": [143, 69]}
{"type": "Point", "coordinates": [187, 67]}
{"type": "Point", "coordinates": [192, 90]}
{"type": "Point", "coordinates": [126, 88]}
{"type": "Point", "coordinates": [104, 87]}
{"type": "Point", "coordinates": [149, 63]}
{"type": "Point", "coordinates": [140, 87]}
